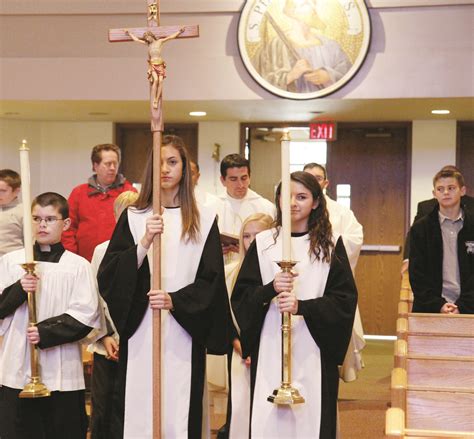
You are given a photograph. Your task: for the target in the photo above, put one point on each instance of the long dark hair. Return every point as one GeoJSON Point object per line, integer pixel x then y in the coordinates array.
{"type": "Point", "coordinates": [189, 211]}
{"type": "Point", "coordinates": [319, 226]}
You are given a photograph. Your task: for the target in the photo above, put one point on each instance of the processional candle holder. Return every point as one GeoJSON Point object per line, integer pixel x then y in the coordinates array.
{"type": "Point", "coordinates": [35, 388]}
{"type": "Point", "coordinates": [286, 394]}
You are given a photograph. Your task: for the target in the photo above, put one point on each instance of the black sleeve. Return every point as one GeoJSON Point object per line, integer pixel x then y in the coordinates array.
{"type": "Point", "coordinates": [202, 308]}
{"type": "Point", "coordinates": [123, 286]}
{"type": "Point", "coordinates": [108, 327]}
{"type": "Point", "coordinates": [60, 330]}
{"type": "Point", "coordinates": [250, 301]}
{"type": "Point", "coordinates": [406, 248]}
{"type": "Point", "coordinates": [465, 302]}
{"type": "Point", "coordinates": [425, 296]}
{"type": "Point", "coordinates": [419, 214]}
{"type": "Point", "coordinates": [11, 298]}
{"type": "Point", "coordinates": [330, 317]}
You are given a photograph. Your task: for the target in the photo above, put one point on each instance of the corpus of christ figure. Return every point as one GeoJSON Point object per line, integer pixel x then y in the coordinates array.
{"type": "Point", "coordinates": [157, 66]}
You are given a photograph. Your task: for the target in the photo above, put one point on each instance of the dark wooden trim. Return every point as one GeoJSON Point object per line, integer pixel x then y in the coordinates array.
{"type": "Point", "coordinates": [408, 176]}
{"type": "Point", "coordinates": [459, 125]}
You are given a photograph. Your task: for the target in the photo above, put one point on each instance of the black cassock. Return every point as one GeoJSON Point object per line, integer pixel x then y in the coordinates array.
{"type": "Point", "coordinates": [320, 335]}
{"type": "Point", "coordinates": [194, 276]}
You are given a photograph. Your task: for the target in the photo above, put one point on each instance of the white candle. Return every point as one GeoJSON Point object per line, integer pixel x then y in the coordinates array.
{"type": "Point", "coordinates": [26, 200]}
{"type": "Point", "coordinates": [285, 196]}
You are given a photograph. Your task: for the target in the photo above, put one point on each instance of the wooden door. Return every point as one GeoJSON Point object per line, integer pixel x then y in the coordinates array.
{"type": "Point", "coordinates": [374, 160]}
{"type": "Point", "coordinates": [265, 162]}
{"type": "Point", "coordinates": [135, 141]}
{"type": "Point", "coordinates": [465, 155]}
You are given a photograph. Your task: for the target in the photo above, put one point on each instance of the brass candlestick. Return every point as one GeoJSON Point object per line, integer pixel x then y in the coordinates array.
{"type": "Point", "coordinates": [286, 394]}
{"type": "Point", "coordinates": [35, 388]}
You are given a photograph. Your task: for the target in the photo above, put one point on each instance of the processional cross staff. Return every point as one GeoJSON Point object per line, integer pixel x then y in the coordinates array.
{"type": "Point", "coordinates": [155, 36]}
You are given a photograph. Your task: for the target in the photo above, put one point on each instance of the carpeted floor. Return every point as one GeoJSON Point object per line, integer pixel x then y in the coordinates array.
{"type": "Point", "coordinates": [362, 403]}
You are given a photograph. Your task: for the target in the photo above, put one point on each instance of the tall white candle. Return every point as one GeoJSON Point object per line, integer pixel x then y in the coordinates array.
{"type": "Point", "coordinates": [26, 200]}
{"type": "Point", "coordinates": [285, 196]}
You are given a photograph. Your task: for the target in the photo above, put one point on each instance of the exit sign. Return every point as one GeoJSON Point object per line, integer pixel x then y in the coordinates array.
{"type": "Point", "coordinates": [323, 131]}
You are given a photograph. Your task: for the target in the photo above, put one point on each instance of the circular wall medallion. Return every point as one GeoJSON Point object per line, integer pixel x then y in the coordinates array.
{"type": "Point", "coordinates": [303, 49]}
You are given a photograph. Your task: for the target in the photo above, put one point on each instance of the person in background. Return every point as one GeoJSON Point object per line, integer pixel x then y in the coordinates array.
{"type": "Point", "coordinates": [105, 350]}
{"type": "Point", "coordinates": [91, 203]}
{"type": "Point", "coordinates": [239, 201]}
{"type": "Point", "coordinates": [345, 224]}
{"type": "Point", "coordinates": [238, 407]}
{"type": "Point", "coordinates": [425, 208]}
{"type": "Point", "coordinates": [11, 212]}
{"type": "Point", "coordinates": [204, 198]}
{"type": "Point", "coordinates": [441, 268]}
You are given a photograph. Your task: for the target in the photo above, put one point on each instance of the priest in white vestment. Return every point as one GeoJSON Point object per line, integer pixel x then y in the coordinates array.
{"type": "Point", "coordinates": [345, 224]}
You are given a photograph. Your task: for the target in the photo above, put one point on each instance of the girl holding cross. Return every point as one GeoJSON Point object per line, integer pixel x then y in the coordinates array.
{"type": "Point", "coordinates": [193, 301]}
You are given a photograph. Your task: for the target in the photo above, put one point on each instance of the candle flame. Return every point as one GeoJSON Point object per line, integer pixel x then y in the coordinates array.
{"type": "Point", "coordinates": [24, 146]}
{"type": "Point", "coordinates": [286, 135]}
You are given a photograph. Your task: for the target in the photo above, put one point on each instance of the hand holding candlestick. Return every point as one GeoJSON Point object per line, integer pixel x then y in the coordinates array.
{"type": "Point", "coordinates": [285, 394]}
{"type": "Point", "coordinates": [35, 388]}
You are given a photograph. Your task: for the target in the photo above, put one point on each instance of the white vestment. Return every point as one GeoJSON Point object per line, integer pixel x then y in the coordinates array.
{"type": "Point", "coordinates": [345, 224]}
{"type": "Point", "coordinates": [232, 212]}
{"type": "Point", "coordinates": [65, 287]}
{"type": "Point", "coordinates": [98, 346]}
{"type": "Point", "coordinates": [178, 269]}
{"type": "Point", "coordinates": [299, 420]}
{"type": "Point", "coordinates": [240, 376]}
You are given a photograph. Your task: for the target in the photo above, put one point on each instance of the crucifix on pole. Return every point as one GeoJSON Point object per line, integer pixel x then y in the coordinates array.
{"type": "Point", "coordinates": [154, 36]}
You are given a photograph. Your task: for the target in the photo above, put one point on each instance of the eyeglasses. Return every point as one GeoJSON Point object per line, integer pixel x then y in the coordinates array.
{"type": "Point", "coordinates": [49, 220]}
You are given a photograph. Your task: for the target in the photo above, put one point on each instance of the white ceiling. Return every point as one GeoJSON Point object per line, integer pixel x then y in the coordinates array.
{"type": "Point", "coordinates": [279, 110]}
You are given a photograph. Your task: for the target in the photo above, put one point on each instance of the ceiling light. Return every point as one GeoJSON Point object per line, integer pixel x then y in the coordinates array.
{"type": "Point", "coordinates": [98, 113]}
{"type": "Point", "coordinates": [440, 112]}
{"type": "Point", "coordinates": [197, 113]}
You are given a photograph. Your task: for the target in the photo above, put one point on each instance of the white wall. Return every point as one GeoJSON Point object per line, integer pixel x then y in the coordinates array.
{"type": "Point", "coordinates": [415, 52]}
{"type": "Point", "coordinates": [59, 151]}
{"type": "Point", "coordinates": [226, 134]}
{"type": "Point", "coordinates": [433, 146]}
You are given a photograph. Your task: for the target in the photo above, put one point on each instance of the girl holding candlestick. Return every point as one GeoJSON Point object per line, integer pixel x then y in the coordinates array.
{"type": "Point", "coordinates": [321, 295]}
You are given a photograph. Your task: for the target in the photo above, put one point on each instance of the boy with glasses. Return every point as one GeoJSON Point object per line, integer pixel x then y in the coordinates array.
{"type": "Point", "coordinates": [67, 311]}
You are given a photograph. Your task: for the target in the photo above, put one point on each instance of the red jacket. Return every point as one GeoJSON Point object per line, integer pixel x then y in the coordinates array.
{"type": "Point", "coordinates": [92, 215]}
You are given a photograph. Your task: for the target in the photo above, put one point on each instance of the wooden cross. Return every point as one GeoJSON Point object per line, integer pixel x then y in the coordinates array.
{"type": "Point", "coordinates": [155, 36]}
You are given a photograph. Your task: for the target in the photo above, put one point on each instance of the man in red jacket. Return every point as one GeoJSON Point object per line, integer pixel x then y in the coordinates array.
{"type": "Point", "coordinates": [91, 204]}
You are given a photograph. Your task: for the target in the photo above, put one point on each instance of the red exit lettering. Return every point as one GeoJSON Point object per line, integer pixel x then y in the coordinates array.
{"type": "Point", "coordinates": [322, 131]}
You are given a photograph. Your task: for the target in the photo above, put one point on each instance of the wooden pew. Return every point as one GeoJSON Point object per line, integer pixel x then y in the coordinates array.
{"type": "Point", "coordinates": [441, 324]}
{"type": "Point", "coordinates": [432, 397]}
{"type": "Point", "coordinates": [406, 296]}
{"type": "Point", "coordinates": [432, 385]}
{"type": "Point", "coordinates": [395, 428]}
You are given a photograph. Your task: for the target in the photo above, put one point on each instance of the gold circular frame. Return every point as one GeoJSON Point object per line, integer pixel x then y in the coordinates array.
{"type": "Point", "coordinates": [336, 42]}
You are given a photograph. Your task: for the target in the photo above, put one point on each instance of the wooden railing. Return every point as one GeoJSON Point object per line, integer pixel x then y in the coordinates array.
{"type": "Point", "coordinates": [432, 383]}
